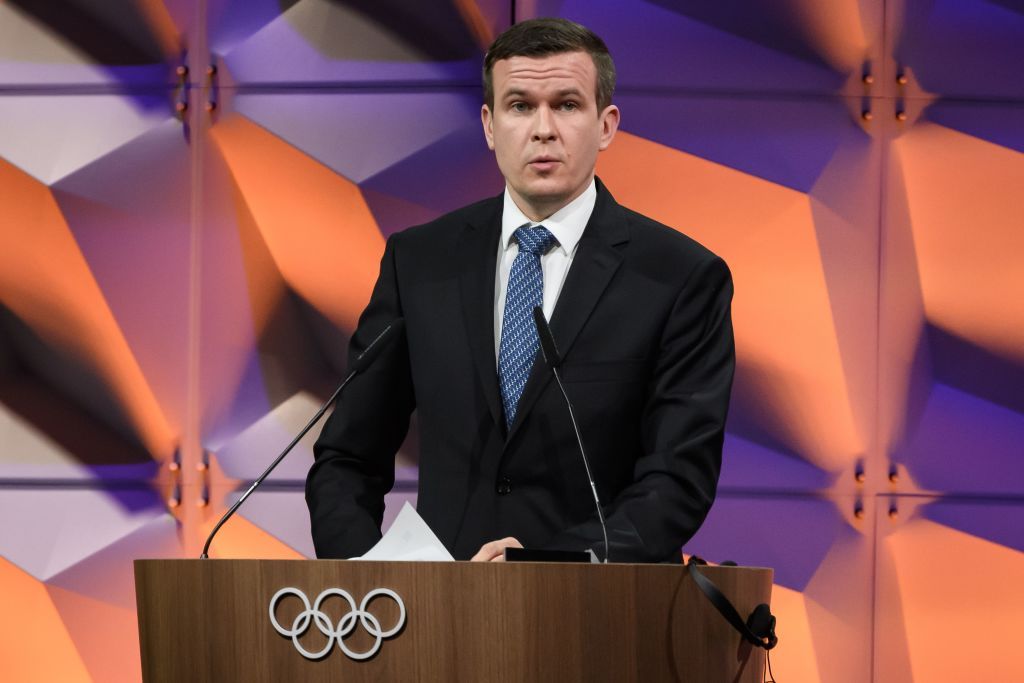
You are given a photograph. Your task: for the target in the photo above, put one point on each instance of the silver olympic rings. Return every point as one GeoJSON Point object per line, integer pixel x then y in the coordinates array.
{"type": "Point", "coordinates": [314, 615]}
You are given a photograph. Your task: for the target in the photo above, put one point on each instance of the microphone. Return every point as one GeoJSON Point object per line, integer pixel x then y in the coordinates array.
{"type": "Point", "coordinates": [553, 359]}
{"type": "Point", "coordinates": [362, 361]}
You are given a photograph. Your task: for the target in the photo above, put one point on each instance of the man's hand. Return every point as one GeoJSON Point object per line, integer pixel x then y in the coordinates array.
{"type": "Point", "coordinates": [495, 550]}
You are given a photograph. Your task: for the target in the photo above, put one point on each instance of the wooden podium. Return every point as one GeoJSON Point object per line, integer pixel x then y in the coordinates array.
{"type": "Point", "coordinates": [210, 620]}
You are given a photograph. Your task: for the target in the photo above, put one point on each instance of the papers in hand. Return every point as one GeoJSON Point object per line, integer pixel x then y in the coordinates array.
{"type": "Point", "coordinates": [409, 539]}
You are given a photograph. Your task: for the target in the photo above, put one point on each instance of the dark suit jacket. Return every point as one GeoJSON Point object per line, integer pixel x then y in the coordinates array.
{"type": "Point", "coordinates": [644, 329]}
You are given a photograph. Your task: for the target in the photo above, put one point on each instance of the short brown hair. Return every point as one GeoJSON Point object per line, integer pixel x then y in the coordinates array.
{"type": "Point", "coordinates": [542, 37]}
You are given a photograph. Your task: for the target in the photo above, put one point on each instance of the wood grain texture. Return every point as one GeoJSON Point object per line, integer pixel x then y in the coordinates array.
{"type": "Point", "coordinates": [208, 621]}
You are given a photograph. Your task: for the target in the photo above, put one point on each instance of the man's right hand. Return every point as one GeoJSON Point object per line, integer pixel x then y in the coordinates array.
{"type": "Point", "coordinates": [495, 550]}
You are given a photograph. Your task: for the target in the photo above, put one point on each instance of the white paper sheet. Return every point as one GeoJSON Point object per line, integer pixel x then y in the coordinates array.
{"type": "Point", "coordinates": [409, 539]}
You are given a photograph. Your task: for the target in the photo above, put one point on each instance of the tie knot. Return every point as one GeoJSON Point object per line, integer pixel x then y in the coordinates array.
{"type": "Point", "coordinates": [536, 240]}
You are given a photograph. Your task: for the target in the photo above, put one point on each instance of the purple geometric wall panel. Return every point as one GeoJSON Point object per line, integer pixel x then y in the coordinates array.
{"type": "Point", "coordinates": [963, 48]}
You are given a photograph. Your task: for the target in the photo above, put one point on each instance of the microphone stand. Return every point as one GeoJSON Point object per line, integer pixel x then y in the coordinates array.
{"type": "Point", "coordinates": [553, 359]}
{"type": "Point", "coordinates": [364, 359]}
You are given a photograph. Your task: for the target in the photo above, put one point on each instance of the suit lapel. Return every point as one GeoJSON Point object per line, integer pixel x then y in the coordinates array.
{"type": "Point", "coordinates": [596, 261]}
{"type": "Point", "coordinates": [477, 254]}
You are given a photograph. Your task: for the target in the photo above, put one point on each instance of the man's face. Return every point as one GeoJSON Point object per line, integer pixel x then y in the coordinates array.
{"type": "Point", "coordinates": [545, 129]}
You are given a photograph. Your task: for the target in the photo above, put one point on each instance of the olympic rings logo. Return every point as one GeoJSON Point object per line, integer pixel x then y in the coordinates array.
{"type": "Point", "coordinates": [347, 624]}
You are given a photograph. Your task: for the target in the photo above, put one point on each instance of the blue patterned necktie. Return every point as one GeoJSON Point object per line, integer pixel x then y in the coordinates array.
{"type": "Point", "coordinates": [525, 291]}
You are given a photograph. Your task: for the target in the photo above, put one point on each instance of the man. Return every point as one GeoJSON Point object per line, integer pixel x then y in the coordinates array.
{"type": "Point", "coordinates": [640, 314]}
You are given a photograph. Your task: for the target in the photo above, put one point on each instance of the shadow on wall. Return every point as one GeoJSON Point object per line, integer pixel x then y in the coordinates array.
{"type": "Point", "coordinates": [384, 30]}
{"type": "Point", "coordinates": [112, 33]}
{"type": "Point", "coordinates": [55, 394]}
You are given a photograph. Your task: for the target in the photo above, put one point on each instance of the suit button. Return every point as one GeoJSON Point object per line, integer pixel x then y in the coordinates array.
{"type": "Point", "coordinates": [504, 486]}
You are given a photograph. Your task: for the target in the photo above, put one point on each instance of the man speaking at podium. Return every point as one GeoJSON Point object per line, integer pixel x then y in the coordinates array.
{"type": "Point", "coordinates": [638, 311]}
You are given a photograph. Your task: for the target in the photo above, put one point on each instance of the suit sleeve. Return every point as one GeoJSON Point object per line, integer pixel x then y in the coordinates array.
{"type": "Point", "coordinates": [354, 457]}
{"type": "Point", "coordinates": [683, 429]}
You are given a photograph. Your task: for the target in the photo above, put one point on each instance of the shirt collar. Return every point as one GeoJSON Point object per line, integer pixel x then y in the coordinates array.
{"type": "Point", "coordinates": [566, 224]}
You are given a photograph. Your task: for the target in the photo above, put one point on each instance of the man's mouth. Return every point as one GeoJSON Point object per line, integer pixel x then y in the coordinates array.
{"type": "Point", "coordinates": [543, 163]}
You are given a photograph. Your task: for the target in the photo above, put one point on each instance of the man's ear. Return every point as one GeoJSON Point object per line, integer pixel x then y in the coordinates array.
{"type": "Point", "coordinates": [609, 121]}
{"type": "Point", "coordinates": [487, 119]}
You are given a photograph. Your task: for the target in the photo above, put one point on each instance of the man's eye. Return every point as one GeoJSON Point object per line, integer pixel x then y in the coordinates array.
{"type": "Point", "coordinates": [570, 106]}
{"type": "Point", "coordinates": [518, 106]}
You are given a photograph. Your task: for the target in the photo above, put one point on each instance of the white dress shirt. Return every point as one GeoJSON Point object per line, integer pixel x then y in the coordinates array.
{"type": "Point", "coordinates": [566, 225]}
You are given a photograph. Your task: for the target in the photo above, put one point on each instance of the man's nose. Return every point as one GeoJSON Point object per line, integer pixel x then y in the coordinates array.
{"type": "Point", "coordinates": [544, 124]}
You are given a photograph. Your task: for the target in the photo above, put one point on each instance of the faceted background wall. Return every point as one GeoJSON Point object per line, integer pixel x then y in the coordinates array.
{"type": "Point", "coordinates": [194, 196]}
